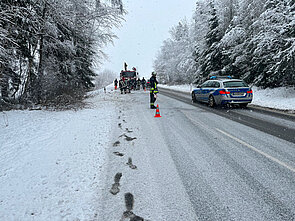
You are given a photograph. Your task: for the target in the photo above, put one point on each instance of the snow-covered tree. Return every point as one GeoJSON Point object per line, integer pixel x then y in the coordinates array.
{"type": "Point", "coordinates": [272, 45]}
{"type": "Point", "coordinates": [249, 39]}
{"type": "Point", "coordinates": [212, 56]}
{"type": "Point", "coordinates": [200, 29]}
{"type": "Point", "coordinates": [50, 46]}
{"type": "Point", "coordinates": [175, 60]}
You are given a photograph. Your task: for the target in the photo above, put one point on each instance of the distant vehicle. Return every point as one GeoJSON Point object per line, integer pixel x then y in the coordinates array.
{"type": "Point", "coordinates": [219, 90]}
{"type": "Point", "coordinates": [130, 78]}
{"type": "Point", "coordinates": [129, 75]}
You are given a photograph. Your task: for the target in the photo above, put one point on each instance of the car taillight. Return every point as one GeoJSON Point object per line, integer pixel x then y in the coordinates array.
{"type": "Point", "coordinates": [249, 92]}
{"type": "Point", "coordinates": [224, 92]}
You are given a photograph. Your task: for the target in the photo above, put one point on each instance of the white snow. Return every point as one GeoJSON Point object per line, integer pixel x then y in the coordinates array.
{"type": "Point", "coordinates": [60, 165]}
{"type": "Point", "coordinates": [51, 162]}
{"type": "Point", "coordinates": [282, 98]}
{"type": "Point", "coordinates": [184, 87]}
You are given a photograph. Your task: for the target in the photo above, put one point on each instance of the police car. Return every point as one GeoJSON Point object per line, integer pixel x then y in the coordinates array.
{"type": "Point", "coordinates": [219, 90]}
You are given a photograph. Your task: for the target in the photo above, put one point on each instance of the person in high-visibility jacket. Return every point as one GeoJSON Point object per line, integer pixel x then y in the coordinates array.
{"type": "Point", "coordinates": [153, 90]}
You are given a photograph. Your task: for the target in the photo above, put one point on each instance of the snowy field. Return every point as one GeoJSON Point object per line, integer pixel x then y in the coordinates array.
{"type": "Point", "coordinates": [51, 162]}
{"type": "Point", "coordinates": [282, 98]}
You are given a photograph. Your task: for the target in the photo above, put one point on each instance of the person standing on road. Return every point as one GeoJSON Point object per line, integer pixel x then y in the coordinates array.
{"type": "Point", "coordinates": [143, 82]}
{"type": "Point", "coordinates": [138, 84]}
{"type": "Point", "coordinates": [123, 86]}
{"type": "Point", "coordinates": [116, 83]}
{"type": "Point", "coordinates": [153, 90]}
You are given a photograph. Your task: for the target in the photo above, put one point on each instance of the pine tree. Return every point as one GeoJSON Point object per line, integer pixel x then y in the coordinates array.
{"type": "Point", "coordinates": [248, 39]}
{"type": "Point", "coordinates": [49, 47]}
{"type": "Point", "coordinates": [271, 46]}
{"type": "Point", "coordinates": [212, 57]}
{"type": "Point", "coordinates": [282, 72]}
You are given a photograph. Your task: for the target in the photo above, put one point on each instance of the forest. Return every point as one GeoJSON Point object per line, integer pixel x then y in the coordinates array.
{"type": "Point", "coordinates": [48, 47]}
{"type": "Point", "coordinates": [249, 39]}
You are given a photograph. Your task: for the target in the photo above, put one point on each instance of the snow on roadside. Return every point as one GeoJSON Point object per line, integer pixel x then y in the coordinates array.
{"type": "Point", "coordinates": [282, 98]}
{"type": "Point", "coordinates": [184, 87]}
{"type": "Point", "coordinates": [51, 162]}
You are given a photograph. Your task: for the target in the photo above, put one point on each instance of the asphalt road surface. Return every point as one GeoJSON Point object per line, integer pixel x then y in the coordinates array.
{"type": "Point", "coordinates": [198, 163]}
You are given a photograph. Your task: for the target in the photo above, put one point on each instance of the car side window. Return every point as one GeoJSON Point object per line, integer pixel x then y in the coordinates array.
{"type": "Point", "coordinates": [211, 84]}
{"type": "Point", "coordinates": [216, 84]}
{"type": "Point", "coordinates": [205, 85]}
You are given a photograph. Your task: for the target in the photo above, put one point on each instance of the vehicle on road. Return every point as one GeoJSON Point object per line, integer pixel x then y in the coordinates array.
{"type": "Point", "coordinates": [130, 78]}
{"type": "Point", "coordinates": [219, 90]}
{"type": "Point", "coordinates": [129, 75]}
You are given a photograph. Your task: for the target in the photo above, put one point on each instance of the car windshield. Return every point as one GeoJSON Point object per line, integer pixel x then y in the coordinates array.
{"type": "Point", "coordinates": [228, 84]}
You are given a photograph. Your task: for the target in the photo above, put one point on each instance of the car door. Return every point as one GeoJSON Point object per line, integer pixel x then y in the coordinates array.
{"type": "Point", "coordinates": [197, 91]}
{"type": "Point", "coordinates": [204, 91]}
{"type": "Point", "coordinates": [207, 90]}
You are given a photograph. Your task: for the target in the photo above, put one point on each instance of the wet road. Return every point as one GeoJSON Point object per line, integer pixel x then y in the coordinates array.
{"type": "Point", "coordinates": [276, 123]}
{"type": "Point", "coordinates": [231, 171]}
{"type": "Point", "coordinates": [197, 163]}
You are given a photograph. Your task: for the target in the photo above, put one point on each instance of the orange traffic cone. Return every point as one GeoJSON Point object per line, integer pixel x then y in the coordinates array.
{"type": "Point", "coordinates": [158, 112]}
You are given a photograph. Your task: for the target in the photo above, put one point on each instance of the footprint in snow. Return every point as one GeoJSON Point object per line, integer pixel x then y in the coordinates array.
{"type": "Point", "coordinates": [117, 143]}
{"type": "Point", "coordinates": [115, 187]}
{"type": "Point", "coordinates": [128, 131]}
{"type": "Point", "coordinates": [129, 138]}
{"type": "Point", "coordinates": [122, 135]}
{"type": "Point", "coordinates": [128, 214]}
{"type": "Point", "coordinates": [131, 165]}
{"type": "Point", "coordinates": [118, 154]}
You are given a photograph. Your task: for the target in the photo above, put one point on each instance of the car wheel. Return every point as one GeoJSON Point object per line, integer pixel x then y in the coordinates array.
{"type": "Point", "coordinates": [243, 105]}
{"type": "Point", "coordinates": [193, 97]}
{"type": "Point", "coordinates": [212, 101]}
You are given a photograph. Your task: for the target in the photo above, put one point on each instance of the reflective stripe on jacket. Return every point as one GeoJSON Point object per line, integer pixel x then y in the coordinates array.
{"type": "Point", "coordinates": [154, 85]}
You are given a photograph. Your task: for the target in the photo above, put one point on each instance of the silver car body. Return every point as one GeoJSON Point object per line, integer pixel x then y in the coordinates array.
{"type": "Point", "coordinates": [223, 91]}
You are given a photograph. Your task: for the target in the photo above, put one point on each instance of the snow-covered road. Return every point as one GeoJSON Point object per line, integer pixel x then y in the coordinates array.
{"type": "Point", "coordinates": [195, 165]}
{"type": "Point", "coordinates": [191, 164]}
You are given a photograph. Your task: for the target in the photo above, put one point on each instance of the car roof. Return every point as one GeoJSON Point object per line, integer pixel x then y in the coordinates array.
{"type": "Point", "coordinates": [225, 80]}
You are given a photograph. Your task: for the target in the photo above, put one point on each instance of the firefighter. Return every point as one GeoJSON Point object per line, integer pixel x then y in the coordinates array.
{"type": "Point", "coordinates": [123, 86]}
{"type": "Point", "coordinates": [138, 84]}
{"type": "Point", "coordinates": [143, 82]}
{"type": "Point", "coordinates": [116, 83]}
{"type": "Point", "coordinates": [129, 85]}
{"type": "Point", "coordinates": [153, 90]}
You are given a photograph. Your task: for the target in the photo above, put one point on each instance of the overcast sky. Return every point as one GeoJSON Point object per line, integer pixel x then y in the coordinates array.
{"type": "Point", "coordinates": [147, 25]}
